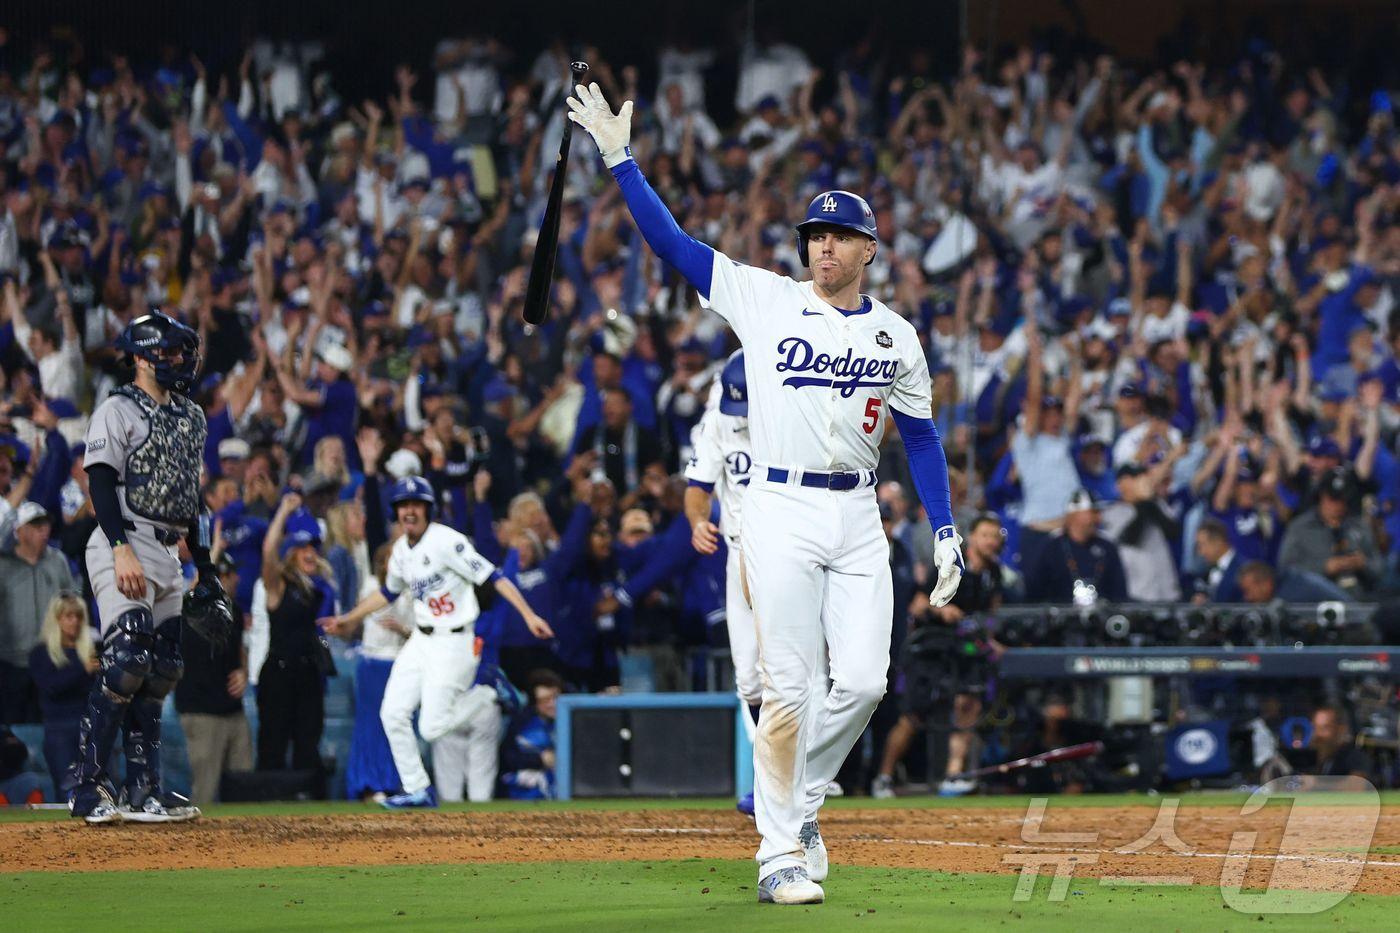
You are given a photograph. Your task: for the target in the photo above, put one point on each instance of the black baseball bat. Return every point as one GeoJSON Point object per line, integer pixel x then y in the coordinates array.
{"type": "Point", "coordinates": [542, 267]}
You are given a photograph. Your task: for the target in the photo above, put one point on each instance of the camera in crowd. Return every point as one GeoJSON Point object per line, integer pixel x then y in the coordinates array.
{"type": "Point", "coordinates": [1141, 625]}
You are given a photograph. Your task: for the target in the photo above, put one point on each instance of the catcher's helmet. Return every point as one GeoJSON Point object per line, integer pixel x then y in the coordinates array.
{"type": "Point", "coordinates": [412, 489]}
{"type": "Point", "coordinates": [837, 209]}
{"type": "Point", "coordinates": [734, 387]}
{"type": "Point", "coordinates": [152, 337]}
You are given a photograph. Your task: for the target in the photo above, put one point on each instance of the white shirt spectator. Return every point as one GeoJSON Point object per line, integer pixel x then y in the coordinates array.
{"type": "Point", "coordinates": [1125, 449]}
{"type": "Point", "coordinates": [390, 201]}
{"type": "Point", "coordinates": [673, 120]}
{"type": "Point", "coordinates": [60, 372]}
{"type": "Point", "coordinates": [1172, 326]}
{"type": "Point", "coordinates": [775, 71]}
{"type": "Point", "coordinates": [684, 67]}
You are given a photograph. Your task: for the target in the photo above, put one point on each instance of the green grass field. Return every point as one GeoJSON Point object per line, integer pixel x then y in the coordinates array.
{"type": "Point", "coordinates": [694, 894]}
{"type": "Point", "coordinates": [674, 896]}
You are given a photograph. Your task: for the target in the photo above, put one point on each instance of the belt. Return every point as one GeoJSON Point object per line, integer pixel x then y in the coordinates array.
{"type": "Point", "coordinates": [163, 535]}
{"type": "Point", "coordinates": [430, 629]}
{"type": "Point", "coordinates": [814, 479]}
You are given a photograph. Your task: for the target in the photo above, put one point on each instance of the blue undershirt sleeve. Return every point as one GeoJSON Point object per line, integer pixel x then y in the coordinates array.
{"type": "Point", "coordinates": [929, 466]}
{"type": "Point", "coordinates": [689, 256]}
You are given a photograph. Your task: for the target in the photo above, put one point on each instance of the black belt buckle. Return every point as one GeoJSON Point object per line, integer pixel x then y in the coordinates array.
{"type": "Point", "coordinates": [841, 482]}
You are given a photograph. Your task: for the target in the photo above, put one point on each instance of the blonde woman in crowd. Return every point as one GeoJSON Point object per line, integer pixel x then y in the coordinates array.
{"type": "Point", "coordinates": [64, 666]}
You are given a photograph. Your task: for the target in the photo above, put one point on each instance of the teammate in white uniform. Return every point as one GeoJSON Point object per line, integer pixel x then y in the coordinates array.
{"type": "Point", "coordinates": [433, 674]}
{"type": "Point", "coordinates": [721, 463]}
{"type": "Point", "coordinates": [827, 369]}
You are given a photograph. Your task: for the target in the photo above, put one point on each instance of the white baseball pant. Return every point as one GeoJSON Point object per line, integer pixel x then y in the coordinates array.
{"type": "Point", "coordinates": [818, 569]}
{"type": "Point", "coordinates": [432, 675]}
{"type": "Point", "coordinates": [469, 755]}
{"type": "Point", "coordinates": [743, 637]}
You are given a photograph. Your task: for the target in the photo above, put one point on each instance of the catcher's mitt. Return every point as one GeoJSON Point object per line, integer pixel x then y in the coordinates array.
{"type": "Point", "coordinates": [206, 609]}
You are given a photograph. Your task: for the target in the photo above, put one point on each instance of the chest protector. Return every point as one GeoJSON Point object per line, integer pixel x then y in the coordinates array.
{"type": "Point", "coordinates": [162, 475]}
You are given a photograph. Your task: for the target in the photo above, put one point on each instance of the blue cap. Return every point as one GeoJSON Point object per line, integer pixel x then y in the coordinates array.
{"type": "Point", "coordinates": [1323, 446]}
{"type": "Point", "coordinates": [1120, 307]}
{"type": "Point", "coordinates": [734, 387]}
{"type": "Point", "coordinates": [301, 530]}
{"type": "Point", "coordinates": [1001, 325]}
{"type": "Point", "coordinates": [497, 390]}
{"type": "Point", "coordinates": [412, 489]}
{"type": "Point", "coordinates": [1380, 102]}
{"type": "Point", "coordinates": [62, 408]}
{"type": "Point", "coordinates": [14, 448]}
{"type": "Point", "coordinates": [837, 209]}
{"type": "Point", "coordinates": [768, 102]}
{"type": "Point", "coordinates": [375, 309]}
{"type": "Point", "coordinates": [1333, 393]}
{"type": "Point", "coordinates": [299, 538]}
{"type": "Point", "coordinates": [223, 277]}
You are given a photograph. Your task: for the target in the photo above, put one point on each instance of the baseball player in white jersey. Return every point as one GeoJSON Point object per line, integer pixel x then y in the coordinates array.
{"type": "Point", "coordinates": [827, 369]}
{"type": "Point", "coordinates": [433, 674]}
{"type": "Point", "coordinates": [721, 463]}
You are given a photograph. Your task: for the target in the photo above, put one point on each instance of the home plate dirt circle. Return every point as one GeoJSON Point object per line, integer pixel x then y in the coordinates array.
{"type": "Point", "coordinates": [1325, 848]}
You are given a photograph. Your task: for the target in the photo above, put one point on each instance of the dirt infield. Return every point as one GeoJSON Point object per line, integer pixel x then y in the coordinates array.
{"type": "Point", "coordinates": [1327, 845]}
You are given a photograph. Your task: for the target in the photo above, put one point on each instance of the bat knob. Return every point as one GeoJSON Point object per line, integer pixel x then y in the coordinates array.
{"type": "Point", "coordinates": [579, 69]}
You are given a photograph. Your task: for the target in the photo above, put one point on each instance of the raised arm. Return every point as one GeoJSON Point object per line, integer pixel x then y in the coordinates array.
{"type": "Point", "coordinates": [612, 133]}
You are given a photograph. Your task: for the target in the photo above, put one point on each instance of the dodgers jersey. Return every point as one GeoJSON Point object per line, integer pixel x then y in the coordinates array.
{"type": "Point", "coordinates": [820, 382]}
{"type": "Point", "coordinates": [440, 571]}
{"type": "Point", "coordinates": [721, 460]}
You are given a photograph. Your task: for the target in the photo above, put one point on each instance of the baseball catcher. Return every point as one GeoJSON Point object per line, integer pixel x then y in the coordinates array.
{"type": "Point", "coordinates": [144, 449]}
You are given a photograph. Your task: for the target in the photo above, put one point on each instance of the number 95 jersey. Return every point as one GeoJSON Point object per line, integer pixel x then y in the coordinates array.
{"type": "Point", "coordinates": [820, 381]}
{"type": "Point", "coordinates": [440, 571]}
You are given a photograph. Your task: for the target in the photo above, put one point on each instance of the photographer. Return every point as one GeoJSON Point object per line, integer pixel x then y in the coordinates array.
{"type": "Point", "coordinates": [1332, 540]}
{"type": "Point", "coordinates": [931, 668]}
{"type": "Point", "coordinates": [1077, 564]}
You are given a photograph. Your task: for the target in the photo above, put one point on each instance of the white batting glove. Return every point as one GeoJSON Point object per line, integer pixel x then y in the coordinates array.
{"type": "Point", "coordinates": [612, 132]}
{"type": "Point", "coordinates": [948, 560]}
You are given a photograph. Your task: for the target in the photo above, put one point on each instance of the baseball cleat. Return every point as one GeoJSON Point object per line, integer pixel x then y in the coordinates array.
{"type": "Point", "coordinates": [882, 788]}
{"type": "Point", "coordinates": [422, 799]}
{"type": "Point", "coordinates": [745, 804]}
{"type": "Point", "coordinates": [790, 886]}
{"type": "Point", "coordinates": [956, 788]}
{"type": "Point", "coordinates": [104, 812]}
{"type": "Point", "coordinates": [163, 808]}
{"type": "Point", "coordinates": [815, 849]}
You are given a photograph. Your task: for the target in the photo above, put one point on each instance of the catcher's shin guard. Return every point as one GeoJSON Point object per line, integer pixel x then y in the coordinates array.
{"type": "Point", "coordinates": [143, 726]}
{"type": "Point", "coordinates": [126, 663]}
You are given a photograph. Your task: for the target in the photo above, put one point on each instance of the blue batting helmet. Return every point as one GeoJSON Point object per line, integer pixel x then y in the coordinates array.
{"type": "Point", "coordinates": [734, 387]}
{"type": "Point", "coordinates": [837, 209]}
{"type": "Point", "coordinates": [412, 489]}
{"type": "Point", "coordinates": [153, 337]}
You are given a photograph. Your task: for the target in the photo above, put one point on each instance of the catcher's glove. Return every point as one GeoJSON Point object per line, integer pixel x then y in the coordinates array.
{"type": "Point", "coordinates": [207, 610]}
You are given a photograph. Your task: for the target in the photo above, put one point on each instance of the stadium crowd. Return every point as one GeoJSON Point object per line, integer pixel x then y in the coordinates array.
{"type": "Point", "coordinates": [1157, 305]}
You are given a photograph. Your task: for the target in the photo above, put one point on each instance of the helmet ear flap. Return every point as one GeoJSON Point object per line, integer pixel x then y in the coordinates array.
{"type": "Point", "coordinates": [802, 248]}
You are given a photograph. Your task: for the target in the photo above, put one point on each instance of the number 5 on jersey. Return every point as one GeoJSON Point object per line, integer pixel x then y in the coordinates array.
{"type": "Point", "coordinates": [872, 415]}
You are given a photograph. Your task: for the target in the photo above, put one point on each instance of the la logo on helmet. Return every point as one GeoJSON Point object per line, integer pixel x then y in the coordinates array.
{"type": "Point", "coordinates": [829, 204]}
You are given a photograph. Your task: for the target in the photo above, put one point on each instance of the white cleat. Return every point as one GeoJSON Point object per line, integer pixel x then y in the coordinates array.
{"type": "Point", "coordinates": [790, 886]}
{"type": "Point", "coordinates": [104, 812]}
{"type": "Point", "coordinates": [815, 850]}
{"type": "Point", "coordinates": [882, 788]}
{"type": "Point", "coordinates": [169, 808]}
